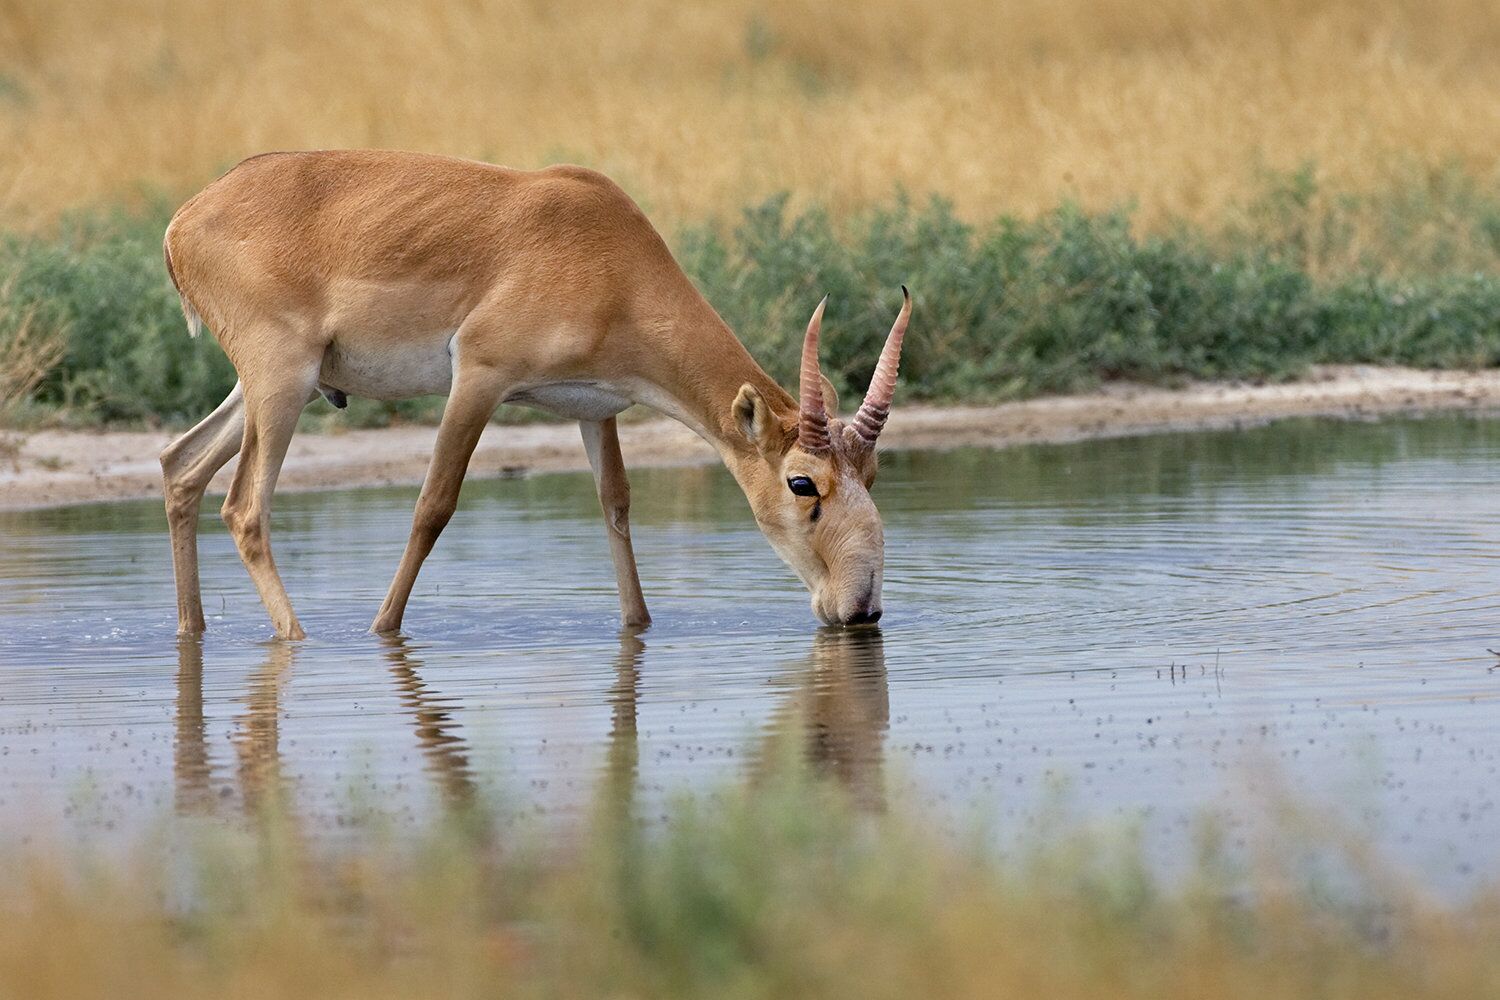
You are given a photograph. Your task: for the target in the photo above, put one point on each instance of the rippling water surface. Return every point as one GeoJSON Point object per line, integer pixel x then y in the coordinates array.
{"type": "Point", "coordinates": [1144, 632]}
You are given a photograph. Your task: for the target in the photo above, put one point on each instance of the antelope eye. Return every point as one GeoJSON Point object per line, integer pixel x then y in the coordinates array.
{"type": "Point", "coordinates": [802, 486]}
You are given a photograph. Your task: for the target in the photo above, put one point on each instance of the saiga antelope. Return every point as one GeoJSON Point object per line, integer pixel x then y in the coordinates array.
{"type": "Point", "coordinates": [390, 275]}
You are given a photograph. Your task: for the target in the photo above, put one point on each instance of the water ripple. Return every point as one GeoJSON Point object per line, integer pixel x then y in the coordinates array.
{"type": "Point", "coordinates": [1164, 626]}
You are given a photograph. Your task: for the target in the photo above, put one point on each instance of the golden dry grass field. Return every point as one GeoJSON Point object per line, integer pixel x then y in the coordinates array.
{"type": "Point", "coordinates": [1179, 106]}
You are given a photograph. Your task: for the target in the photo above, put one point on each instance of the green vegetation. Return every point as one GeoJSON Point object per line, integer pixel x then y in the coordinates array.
{"type": "Point", "coordinates": [99, 282]}
{"type": "Point", "coordinates": [1006, 309]}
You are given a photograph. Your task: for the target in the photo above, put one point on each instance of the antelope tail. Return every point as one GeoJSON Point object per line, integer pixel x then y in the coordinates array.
{"type": "Point", "coordinates": [194, 321]}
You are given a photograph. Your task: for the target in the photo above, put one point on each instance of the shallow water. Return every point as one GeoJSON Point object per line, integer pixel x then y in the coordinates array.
{"type": "Point", "coordinates": [1140, 632]}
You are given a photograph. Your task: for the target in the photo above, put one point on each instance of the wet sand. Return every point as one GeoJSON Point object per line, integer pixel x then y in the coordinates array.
{"type": "Point", "coordinates": [55, 468]}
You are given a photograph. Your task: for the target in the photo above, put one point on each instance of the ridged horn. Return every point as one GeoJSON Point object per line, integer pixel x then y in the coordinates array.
{"type": "Point", "coordinates": [870, 420]}
{"type": "Point", "coordinates": [812, 421]}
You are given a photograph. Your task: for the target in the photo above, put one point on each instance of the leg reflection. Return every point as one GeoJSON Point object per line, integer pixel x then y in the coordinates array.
{"type": "Point", "coordinates": [191, 769]}
{"type": "Point", "coordinates": [622, 761]}
{"type": "Point", "coordinates": [446, 753]}
{"type": "Point", "coordinates": [257, 735]}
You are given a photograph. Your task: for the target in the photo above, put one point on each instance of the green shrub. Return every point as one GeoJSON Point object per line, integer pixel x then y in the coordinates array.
{"type": "Point", "coordinates": [101, 279]}
{"type": "Point", "coordinates": [1006, 309]}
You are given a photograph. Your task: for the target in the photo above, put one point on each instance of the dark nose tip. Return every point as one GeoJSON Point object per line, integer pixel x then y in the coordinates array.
{"type": "Point", "coordinates": [864, 618]}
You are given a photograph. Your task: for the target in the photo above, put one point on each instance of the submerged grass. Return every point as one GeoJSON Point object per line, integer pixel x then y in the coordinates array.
{"type": "Point", "coordinates": [1005, 309]}
{"type": "Point", "coordinates": [786, 892]}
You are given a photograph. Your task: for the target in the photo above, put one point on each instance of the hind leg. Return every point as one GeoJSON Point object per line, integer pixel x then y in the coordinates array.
{"type": "Point", "coordinates": [271, 413]}
{"type": "Point", "coordinates": [187, 466]}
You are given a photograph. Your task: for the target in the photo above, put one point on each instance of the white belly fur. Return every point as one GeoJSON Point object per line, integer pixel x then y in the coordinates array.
{"type": "Point", "coordinates": [391, 370]}
{"type": "Point", "coordinates": [425, 367]}
{"type": "Point", "coordinates": [574, 400]}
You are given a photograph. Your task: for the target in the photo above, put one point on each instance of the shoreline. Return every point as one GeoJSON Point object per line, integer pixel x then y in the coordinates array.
{"type": "Point", "coordinates": [58, 468]}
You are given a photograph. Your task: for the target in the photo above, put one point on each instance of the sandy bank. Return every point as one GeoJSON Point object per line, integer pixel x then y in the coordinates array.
{"type": "Point", "coordinates": [63, 467]}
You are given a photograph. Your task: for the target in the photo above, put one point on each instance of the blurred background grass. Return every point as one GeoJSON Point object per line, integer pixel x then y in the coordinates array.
{"type": "Point", "coordinates": [786, 892]}
{"type": "Point", "coordinates": [1176, 106]}
{"type": "Point", "coordinates": [1076, 190]}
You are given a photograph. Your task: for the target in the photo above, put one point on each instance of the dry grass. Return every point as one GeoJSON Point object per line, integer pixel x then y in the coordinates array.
{"type": "Point", "coordinates": [795, 898]}
{"type": "Point", "coordinates": [1179, 105]}
{"type": "Point", "coordinates": [28, 353]}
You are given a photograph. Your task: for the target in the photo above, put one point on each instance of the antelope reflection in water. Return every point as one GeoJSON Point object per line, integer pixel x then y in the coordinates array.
{"type": "Point", "coordinates": [835, 716]}
{"type": "Point", "coordinates": [622, 756]}
{"type": "Point", "coordinates": [837, 713]}
{"type": "Point", "coordinates": [445, 752]}
{"type": "Point", "coordinates": [256, 737]}
{"type": "Point", "coordinates": [192, 770]}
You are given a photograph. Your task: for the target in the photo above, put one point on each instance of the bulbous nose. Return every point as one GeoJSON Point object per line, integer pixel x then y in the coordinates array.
{"type": "Point", "coordinates": [864, 609]}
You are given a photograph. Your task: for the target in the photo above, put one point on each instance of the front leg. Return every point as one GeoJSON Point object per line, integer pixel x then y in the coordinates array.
{"type": "Point", "coordinates": [602, 442]}
{"type": "Point", "coordinates": [476, 393]}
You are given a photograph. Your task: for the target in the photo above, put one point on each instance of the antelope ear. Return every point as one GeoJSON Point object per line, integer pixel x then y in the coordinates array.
{"type": "Point", "coordinates": [756, 421]}
{"type": "Point", "coordinates": [830, 397]}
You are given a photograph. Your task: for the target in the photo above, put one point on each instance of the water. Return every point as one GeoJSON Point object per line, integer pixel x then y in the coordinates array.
{"type": "Point", "coordinates": [1140, 632]}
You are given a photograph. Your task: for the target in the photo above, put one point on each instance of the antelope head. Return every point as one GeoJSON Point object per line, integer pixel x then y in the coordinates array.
{"type": "Point", "coordinates": [810, 487]}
